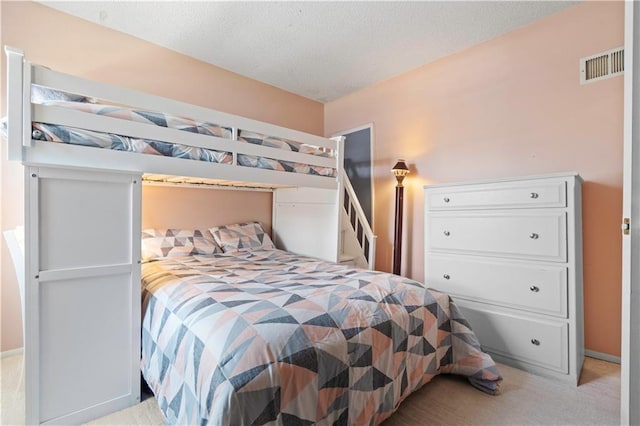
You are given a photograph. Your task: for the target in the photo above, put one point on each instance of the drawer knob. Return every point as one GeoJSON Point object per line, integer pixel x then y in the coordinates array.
{"type": "Point", "coordinates": [446, 199]}
{"type": "Point", "coordinates": [534, 195]}
{"type": "Point", "coordinates": [535, 342]}
{"type": "Point", "coordinates": [446, 276]}
{"type": "Point", "coordinates": [534, 236]}
{"type": "Point", "coordinates": [447, 233]}
{"type": "Point", "coordinates": [534, 288]}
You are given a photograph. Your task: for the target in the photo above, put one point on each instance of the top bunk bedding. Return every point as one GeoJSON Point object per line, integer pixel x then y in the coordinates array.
{"type": "Point", "coordinates": [269, 337]}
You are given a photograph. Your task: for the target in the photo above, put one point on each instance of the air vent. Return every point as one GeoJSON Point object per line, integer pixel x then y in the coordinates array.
{"type": "Point", "coordinates": [601, 66]}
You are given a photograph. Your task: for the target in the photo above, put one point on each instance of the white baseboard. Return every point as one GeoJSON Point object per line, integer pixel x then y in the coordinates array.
{"type": "Point", "coordinates": [11, 352]}
{"type": "Point", "coordinates": [602, 356]}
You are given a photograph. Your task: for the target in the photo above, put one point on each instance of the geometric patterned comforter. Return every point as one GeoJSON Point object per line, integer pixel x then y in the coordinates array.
{"type": "Point", "coordinates": [268, 337]}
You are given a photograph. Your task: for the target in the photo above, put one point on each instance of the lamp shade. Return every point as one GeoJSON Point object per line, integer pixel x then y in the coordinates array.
{"type": "Point", "coordinates": [400, 170]}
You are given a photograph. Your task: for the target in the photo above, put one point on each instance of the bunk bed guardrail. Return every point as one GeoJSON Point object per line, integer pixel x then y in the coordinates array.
{"type": "Point", "coordinates": [22, 112]}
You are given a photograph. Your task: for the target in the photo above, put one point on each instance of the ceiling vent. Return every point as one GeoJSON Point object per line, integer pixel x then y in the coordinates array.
{"type": "Point", "coordinates": [602, 66]}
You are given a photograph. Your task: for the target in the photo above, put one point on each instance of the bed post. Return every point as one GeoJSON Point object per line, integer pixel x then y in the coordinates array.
{"type": "Point", "coordinates": [339, 159]}
{"type": "Point", "coordinates": [340, 184]}
{"type": "Point", "coordinates": [18, 103]}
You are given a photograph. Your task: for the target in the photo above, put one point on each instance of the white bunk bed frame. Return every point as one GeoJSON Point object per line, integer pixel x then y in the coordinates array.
{"type": "Point", "coordinates": [82, 355]}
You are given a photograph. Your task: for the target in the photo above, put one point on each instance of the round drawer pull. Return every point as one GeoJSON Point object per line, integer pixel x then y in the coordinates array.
{"type": "Point", "coordinates": [534, 195]}
{"type": "Point", "coordinates": [535, 342]}
{"type": "Point", "coordinates": [447, 233]}
{"type": "Point", "coordinates": [446, 199]}
{"type": "Point", "coordinates": [446, 276]}
{"type": "Point", "coordinates": [534, 236]}
{"type": "Point", "coordinates": [534, 288]}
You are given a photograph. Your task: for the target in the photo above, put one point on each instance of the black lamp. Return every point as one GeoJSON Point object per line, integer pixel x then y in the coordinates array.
{"type": "Point", "coordinates": [400, 170]}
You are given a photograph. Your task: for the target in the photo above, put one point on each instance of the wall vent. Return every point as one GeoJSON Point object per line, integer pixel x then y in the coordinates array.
{"type": "Point", "coordinates": [602, 65]}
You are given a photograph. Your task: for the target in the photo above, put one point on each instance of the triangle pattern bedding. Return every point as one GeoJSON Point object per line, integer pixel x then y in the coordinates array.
{"type": "Point", "coordinates": [267, 337]}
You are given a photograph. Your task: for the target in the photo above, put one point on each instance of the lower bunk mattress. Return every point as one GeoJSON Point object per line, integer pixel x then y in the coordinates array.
{"type": "Point", "coordinates": [270, 337]}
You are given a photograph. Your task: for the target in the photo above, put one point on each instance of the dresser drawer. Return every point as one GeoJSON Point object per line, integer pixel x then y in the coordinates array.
{"type": "Point", "coordinates": [541, 343]}
{"type": "Point", "coordinates": [524, 194]}
{"type": "Point", "coordinates": [541, 289]}
{"type": "Point", "coordinates": [535, 235]}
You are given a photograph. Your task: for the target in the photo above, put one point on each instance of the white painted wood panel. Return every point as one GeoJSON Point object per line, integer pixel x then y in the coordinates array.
{"type": "Point", "coordinates": [536, 288]}
{"type": "Point", "coordinates": [84, 354]}
{"type": "Point", "coordinates": [82, 349]}
{"type": "Point", "coordinates": [91, 220]}
{"type": "Point", "coordinates": [524, 194]}
{"type": "Point", "coordinates": [533, 235]}
{"type": "Point", "coordinates": [537, 342]}
{"type": "Point", "coordinates": [305, 196]}
{"type": "Point", "coordinates": [305, 221]}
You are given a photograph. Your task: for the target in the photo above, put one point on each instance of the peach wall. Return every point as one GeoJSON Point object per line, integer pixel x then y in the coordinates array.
{"type": "Point", "coordinates": [78, 47]}
{"type": "Point", "coordinates": [508, 107]}
{"type": "Point", "coordinates": [200, 208]}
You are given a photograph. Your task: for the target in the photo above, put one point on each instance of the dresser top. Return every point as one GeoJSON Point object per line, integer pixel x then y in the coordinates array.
{"type": "Point", "coordinates": [511, 179]}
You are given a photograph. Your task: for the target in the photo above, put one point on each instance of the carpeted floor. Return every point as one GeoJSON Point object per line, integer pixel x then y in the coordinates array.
{"type": "Point", "coordinates": [447, 400]}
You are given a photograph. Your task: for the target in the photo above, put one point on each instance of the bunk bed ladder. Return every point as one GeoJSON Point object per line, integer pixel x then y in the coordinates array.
{"type": "Point", "coordinates": [358, 243]}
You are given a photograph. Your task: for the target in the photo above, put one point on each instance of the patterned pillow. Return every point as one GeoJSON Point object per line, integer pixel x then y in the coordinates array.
{"type": "Point", "coordinates": [161, 243]}
{"type": "Point", "coordinates": [242, 237]}
{"type": "Point", "coordinates": [41, 94]}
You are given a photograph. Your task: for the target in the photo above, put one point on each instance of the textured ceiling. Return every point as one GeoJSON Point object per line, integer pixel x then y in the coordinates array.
{"type": "Point", "coordinates": [320, 50]}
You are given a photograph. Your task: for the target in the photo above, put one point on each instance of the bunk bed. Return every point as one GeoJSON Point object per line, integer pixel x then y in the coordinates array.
{"type": "Point", "coordinates": [230, 318]}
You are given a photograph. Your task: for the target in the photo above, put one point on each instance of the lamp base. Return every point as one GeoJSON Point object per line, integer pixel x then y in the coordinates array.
{"type": "Point", "coordinates": [397, 240]}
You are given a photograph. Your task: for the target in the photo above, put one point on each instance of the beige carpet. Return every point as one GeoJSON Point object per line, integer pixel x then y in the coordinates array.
{"type": "Point", "coordinates": [447, 400]}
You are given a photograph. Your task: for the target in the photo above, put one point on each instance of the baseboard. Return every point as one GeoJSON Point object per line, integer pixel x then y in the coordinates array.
{"type": "Point", "coordinates": [602, 356]}
{"type": "Point", "coordinates": [11, 352]}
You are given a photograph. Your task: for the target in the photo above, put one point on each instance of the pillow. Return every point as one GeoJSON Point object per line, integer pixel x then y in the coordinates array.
{"type": "Point", "coordinates": [242, 237]}
{"type": "Point", "coordinates": [161, 243]}
{"type": "Point", "coordinates": [41, 94]}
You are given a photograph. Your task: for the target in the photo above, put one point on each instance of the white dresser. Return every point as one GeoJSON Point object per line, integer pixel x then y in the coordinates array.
{"type": "Point", "coordinates": [509, 252]}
